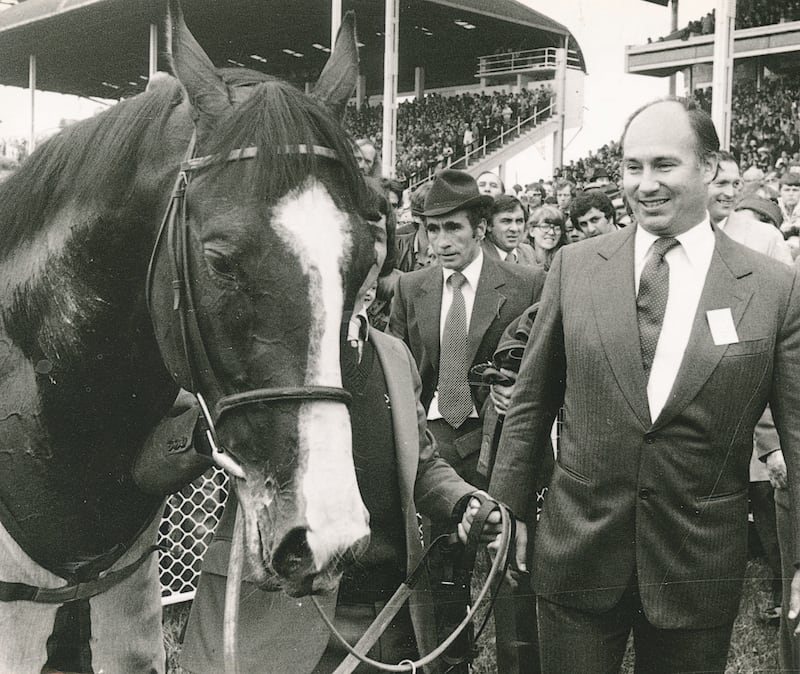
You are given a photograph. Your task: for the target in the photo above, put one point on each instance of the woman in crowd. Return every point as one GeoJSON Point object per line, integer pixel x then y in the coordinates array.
{"type": "Point", "coordinates": [546, 233]}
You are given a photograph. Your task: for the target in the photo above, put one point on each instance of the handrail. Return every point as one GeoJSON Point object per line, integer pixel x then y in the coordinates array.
{"type": "Point", "coordinates": [527, 59]}
{"type": "Point", "coordinates": [453, 161]}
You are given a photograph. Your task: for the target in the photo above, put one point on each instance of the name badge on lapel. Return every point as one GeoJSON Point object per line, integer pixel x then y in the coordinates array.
{"type": "Point", "coordinates": [723, 331]}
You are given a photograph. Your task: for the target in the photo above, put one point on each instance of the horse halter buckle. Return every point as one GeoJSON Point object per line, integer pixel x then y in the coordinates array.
{"type": "Point", "coordinates": [174, 229]}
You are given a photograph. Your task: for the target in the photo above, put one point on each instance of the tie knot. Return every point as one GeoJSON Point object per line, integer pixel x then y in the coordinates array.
{"type": "Point", "coordinates": [457, 279]}
{"type": "Point", "coordinates": [511, 256]}
{"type": "Point", "coordinates": [663, 245]}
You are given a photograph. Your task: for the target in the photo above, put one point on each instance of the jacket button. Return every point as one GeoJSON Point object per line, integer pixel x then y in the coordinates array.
{"type": "Point", "coordinates": [644, 494]}
{"type": "Point", "coordinates": [649, 439]}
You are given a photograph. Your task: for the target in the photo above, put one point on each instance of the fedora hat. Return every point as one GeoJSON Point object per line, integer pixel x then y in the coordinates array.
{"type": "Point", "coordinates": [453, 190]}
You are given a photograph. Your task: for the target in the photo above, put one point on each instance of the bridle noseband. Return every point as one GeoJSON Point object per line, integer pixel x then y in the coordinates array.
{"type": "Point", "coordinates": [175, 230]}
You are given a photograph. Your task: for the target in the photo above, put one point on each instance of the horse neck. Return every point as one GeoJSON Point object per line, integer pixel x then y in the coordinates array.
{"type": "Point", "coordinates": [76, 316]}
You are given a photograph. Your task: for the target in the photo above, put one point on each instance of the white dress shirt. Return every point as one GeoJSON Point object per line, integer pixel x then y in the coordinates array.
{"type": "Point", "coordinates": [472, 272]}
{"type": "Point", "coordinates": [688, 267]}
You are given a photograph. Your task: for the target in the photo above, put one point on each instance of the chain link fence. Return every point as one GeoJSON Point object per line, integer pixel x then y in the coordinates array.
{"type": "Point", "coordinates": [187, 525]}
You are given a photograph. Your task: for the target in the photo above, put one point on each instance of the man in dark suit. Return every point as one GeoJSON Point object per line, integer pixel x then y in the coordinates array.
{"type": "Point", "coordinates": [505, 232]}
{"type": "Point", "coordinates": [490, 296]}
{"type": "Point", "coordinates": [662, 381]}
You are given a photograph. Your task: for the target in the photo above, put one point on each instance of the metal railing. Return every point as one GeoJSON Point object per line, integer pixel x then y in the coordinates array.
{"type": "Point", "coordinates": [521, 61]}
{"type": "Point", "coordinates": [481, 149]}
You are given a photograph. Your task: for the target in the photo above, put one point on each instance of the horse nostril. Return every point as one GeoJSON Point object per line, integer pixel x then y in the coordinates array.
{"type": "Point", "coordinates": [293, 554]}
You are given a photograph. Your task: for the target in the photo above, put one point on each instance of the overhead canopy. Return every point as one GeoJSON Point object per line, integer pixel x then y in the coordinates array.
{"type": "Point", "coordinates": [100, 47]}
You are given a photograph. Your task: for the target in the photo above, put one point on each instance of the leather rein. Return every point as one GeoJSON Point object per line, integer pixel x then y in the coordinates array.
{"type": "Point", "coordinates": [174, 232]}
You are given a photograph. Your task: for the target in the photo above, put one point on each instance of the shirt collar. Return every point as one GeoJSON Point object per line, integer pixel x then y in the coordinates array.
{"type": "Point", "coordinates": [696, 242]}
{"type": "Point", "coordinates": [472, 271]}
{"type": "Point", "coordinates": [358, 327]}
{"type": "Point", "coordinates": [502, 253]}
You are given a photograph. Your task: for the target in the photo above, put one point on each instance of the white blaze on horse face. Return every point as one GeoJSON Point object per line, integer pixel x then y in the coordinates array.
{"type": "Point", "coordinates": [311, 225]}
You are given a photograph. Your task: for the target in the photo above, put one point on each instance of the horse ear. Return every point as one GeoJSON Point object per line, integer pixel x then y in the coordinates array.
{"type": "Point", "coordinates": [206, 90]}
{"type": "Point", "coordinates": [338, 80]}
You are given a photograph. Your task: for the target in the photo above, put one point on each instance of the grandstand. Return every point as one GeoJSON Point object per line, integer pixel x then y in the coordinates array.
{"type": "Point", "coordinates": [765, 127]}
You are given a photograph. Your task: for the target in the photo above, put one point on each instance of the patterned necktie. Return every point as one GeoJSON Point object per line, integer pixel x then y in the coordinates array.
{"type": "Point", "coordinates": [512, 256]}
{"type": "Point", "coordinates": [455, 401]}
{"type": "Point", "coordinates": [651, 302]}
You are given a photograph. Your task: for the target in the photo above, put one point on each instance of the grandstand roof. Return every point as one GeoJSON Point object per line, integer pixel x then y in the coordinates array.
{"type": "Point", "coordinates": [100, 47]}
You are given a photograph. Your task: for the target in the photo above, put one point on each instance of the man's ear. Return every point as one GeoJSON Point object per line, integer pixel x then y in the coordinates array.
{"type": "Point", "coordinates": [710, 168]}
{"type": "Point", "coordinates": [480, 230]}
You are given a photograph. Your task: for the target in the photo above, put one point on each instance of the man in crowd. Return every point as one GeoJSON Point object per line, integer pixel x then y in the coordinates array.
{"type": "Point", "coordinates": [644, 527]}
{"type": "Point", "coordinates": [789, 198]}
{"type": "Point", "coordinates": [593, 213]}
{"type": "Point", "coordinates": [412, 247]}
{"type": "Point", "coordinates": [452, 315]}
{"type": "Point", "coordinates": [367, 157]}
{"type": "Point", "coordinates": [491, 184]}
{"type": "Point", "coordinates": [505, 232]}
{"type": "Point", "coordinates": [564, 192]}
{"type": "Point", "coordinates": [725, 189]}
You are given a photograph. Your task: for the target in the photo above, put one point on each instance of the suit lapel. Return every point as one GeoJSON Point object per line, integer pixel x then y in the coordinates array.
{"type": "Point", "coordinates": [488, 300]}
{"type": "Point", "coordinates": [723, 289]}
{"type": "Point", "coordinates": [614, 302]}
{"type": "Point", "coordinates": [430, 308]}
{"type": "Point", "coordinates": [400, 387]}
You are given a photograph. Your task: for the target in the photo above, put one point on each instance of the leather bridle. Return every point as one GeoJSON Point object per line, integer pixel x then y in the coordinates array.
{"type": "Point", "coordinates": [174, 231]}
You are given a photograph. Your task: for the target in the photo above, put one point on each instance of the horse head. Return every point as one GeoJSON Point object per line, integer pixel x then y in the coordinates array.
{"type": "Point", "coordinates": [265, 248]}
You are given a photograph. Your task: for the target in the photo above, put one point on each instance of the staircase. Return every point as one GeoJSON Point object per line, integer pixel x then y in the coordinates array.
{"type": "Point", "coordinates": [509, 148]}
{"type": "Point", "coordinates": [498, 150]}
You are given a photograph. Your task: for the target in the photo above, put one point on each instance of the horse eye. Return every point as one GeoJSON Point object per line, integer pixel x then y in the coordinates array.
{"type": "Point", "coordinates": [221, 265]}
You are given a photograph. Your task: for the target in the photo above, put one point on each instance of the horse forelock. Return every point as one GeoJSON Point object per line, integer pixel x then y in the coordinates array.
{"type": "Point", "coordinates": [274, 116]}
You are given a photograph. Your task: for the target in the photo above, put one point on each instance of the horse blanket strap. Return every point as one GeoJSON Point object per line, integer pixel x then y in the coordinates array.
{"type": "Point", "coordinates": [76, 591]}
{"type": "Point", "coordinates": [395, 603]}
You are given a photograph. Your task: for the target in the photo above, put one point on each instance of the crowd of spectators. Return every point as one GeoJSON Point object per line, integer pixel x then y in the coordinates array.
{"type": "Point", "coordinates": [765, 133]}
{"type": "Point", "coordinates": [749, 13]}
{"type": "Point", "coordinates": [437, 129]}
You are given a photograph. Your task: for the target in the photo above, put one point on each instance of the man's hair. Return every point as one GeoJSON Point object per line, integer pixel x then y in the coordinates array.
{"type": "Point", "coordinates": [563, 184]}
{"type": "Point", "coordinates": [586, 201]}
{"type": "Point", "coordinates": [724, 155]}
{"type": "Point", "coordinates": [504, 203]}
{"type": "Point", "coordinates": [705, 135]}
{"type": "Point", "coordinates": [380, 207]}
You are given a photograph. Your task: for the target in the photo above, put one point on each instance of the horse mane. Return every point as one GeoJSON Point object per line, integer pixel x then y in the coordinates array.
{"type": "Point", "coordinates": [93, 161]}
{"type": "Point", "coordinates": [277, 115]}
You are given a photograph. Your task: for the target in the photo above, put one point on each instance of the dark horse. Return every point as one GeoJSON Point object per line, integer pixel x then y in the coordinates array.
{"type": "Point", "coordinates": [277, 242]}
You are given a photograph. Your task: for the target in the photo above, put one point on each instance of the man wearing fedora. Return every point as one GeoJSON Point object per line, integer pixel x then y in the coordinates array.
{"type": "Point", "coordinates": [488, 296]}
{"type": "Point", "coordinates": [452, 316]}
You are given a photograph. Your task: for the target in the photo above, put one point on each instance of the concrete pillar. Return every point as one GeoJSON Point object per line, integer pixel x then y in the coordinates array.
{"type": "Point", "coordinates": [361, 90]}
{"type": "Point", "coordinates": [673, 23]}
{"type": "Point", "coordinates": [336, 19]}
{"type": "Point", "coordinates": [32, 88]}
{"type": "Point", "coordinates": [153, 56]}
{"type": "Point", "coordinates": [723, 70]}
{"type": "Point", "coordinates": [390, 48]}
{"type": "Point", "coordinates": [419, 82]}
{"type": "Point", "coordinates": [561, 103]}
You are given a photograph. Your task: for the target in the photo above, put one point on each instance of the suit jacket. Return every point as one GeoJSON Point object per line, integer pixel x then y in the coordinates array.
{"type": "Point", "coordinates": [760, 236]}
{"type": "Point", "coordinates": [504, 291]}
{"type": "Point", "coordinates": [282, 634]}
{"type": "Point", "coordinates": [407, 259]}
{"type": "Point", "coordinates": [525, 254]}
{"type": "Point", "coordinates": [664, 497]}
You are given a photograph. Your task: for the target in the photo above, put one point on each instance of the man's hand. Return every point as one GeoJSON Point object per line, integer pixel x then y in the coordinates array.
{"type": "Point", "coordinates": [491, 530]}
{"type": "Point", "coordinates": [501, 395]}
{"type": "Point", "coordinates": [776, 467]}
{"type": "Point", "coordinates": [794, 602]}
